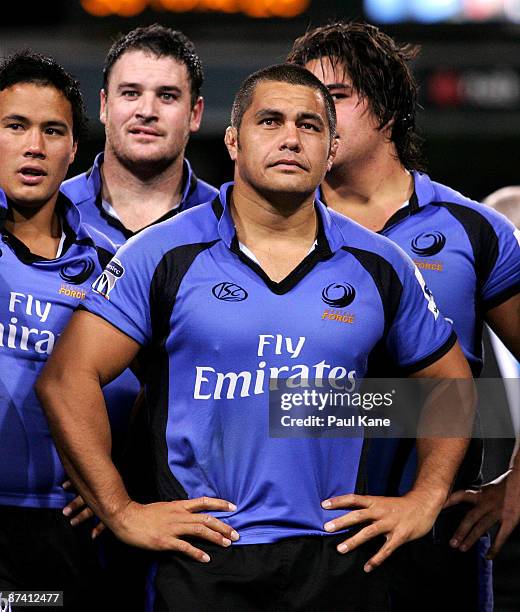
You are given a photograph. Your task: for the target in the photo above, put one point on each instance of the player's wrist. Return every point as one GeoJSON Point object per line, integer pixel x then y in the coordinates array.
{"type": "Point", "coordinates": [429, 498]}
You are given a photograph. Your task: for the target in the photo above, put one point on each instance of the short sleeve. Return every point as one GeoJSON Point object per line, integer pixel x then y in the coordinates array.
{"type": "Point", "coordinates": [121, 294]}
{"type": "Point", "coordinates": [419, 335]}
{"type": "Point", "coordinates": [503, 280]}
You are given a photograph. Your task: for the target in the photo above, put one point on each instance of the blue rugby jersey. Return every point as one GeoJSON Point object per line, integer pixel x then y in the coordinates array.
{"type": "Point", "coordinates": [37, 298]}
{"type": "Point", "coordinates": [468, 254]}
{"type": "Point", "coordinates": [85, 191]}
{"type": "Point", "coordinates": [216, 328]}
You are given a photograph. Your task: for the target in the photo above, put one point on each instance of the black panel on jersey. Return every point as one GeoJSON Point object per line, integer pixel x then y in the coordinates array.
{"type": "Point", "coordinates": [482, 236]}
{"type": "Point", "coordinates": [484, 243]}
{"type": "Point", "coordinates": [163, 292]}
{"type": "Point", "coordinates": [104, 256]}
{"type": "Point", "coordinates": [386, 280]}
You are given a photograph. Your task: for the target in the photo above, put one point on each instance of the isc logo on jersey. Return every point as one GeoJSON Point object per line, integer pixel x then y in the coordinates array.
{"type": "Point", "coordinates": [108, 278]}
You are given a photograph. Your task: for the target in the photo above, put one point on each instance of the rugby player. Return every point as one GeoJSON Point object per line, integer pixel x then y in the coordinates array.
{"type": "Point", "coordinates": [150, 104]}
{"type": "Point", "coordinates": [48, 261]}
{"type": "Point", "coordinates": [468, 254]}
{"type": "Point", "coordinates": [225, 299]}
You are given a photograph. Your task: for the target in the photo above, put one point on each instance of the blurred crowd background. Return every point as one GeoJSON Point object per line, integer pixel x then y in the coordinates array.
{"type": "Point", "coordinates": [469, 67]}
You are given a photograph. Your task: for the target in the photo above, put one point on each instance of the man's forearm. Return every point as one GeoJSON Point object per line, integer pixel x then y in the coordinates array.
{"type": "Point", "coordinates": [79, 424]}
{"type": "Point", "coordinates": [438, 462]}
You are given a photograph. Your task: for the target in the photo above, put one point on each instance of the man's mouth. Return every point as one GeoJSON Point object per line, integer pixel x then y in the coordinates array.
{"type": "Point", "coordinates": [32, 175]}
{"type": "Point", "coordinates": [288, 163]}
{"type": "Point", "coordinates": [144, 131]}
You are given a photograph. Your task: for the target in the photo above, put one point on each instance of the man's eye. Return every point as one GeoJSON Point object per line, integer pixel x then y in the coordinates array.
{"type": "Point", "coordinates": [130, 94]}
{"type": "Point", "coordinates": [15, 126]}
{"type": "Point", "coordinates": [167, 97]}
{"type": "Point", "coordinates": [310, 126]}
{"type": "Point", "coordinates": [267, 122]}
{"type": "Point", "coordinates": [53, 131]}
{"type": "Point", "coordinates": [338, 96]}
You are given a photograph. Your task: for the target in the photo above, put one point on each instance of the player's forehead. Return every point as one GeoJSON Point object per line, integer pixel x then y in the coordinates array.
{"type": "Point", "coordinates": [36, 102]}
{"type": "Point", "coordinates": [144, 68]}
{"type": "Point", "coordinates": [287, 99]}
{"type": "Point", "coordinates": [330, 70]}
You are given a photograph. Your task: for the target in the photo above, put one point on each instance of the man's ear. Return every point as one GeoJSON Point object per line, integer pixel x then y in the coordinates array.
{"type": "Point", "coordinates": [332, 152]}
{"type": "Point", "coordinates": [231, 142]}
{"type": "Point", "coordinates": [73, 152]}
{"type": "Point", "coordinates": [196, 115]}
{"type": "Point", "coordinates": [103, 107]}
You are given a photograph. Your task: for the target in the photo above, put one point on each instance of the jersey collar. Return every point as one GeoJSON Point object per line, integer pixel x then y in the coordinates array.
{"type": "Point", "coordinates": [94, 187]}
{"type": "Point", "coordinates": [3, 208]}
{"type": "Point", "coordinates": [94, 184]}
{"type": "Point", "coordinates": [70, 219]}
{"type": "Point", "coordinates": [329, 238]}
{"type": "Point", "coordinates": [423, 194]}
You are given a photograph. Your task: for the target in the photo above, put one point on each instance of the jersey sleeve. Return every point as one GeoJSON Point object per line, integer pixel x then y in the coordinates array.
{"type": "Point", "coordinates": [502, 281]}
{"type": "Point", "coordinates": [121, 294]}
{"type": "Point", "coordinates": [419, 335]}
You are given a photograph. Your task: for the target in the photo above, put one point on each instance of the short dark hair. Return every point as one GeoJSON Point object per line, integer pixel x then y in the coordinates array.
{"type": "Point", "coordinates": [28, 67]}
{"type": "Point", "coordinates": [161, 42]}
{"type": "Point", "coordinates": [378, 67]}
{"type": "Point", "coordinates": [282, 73]}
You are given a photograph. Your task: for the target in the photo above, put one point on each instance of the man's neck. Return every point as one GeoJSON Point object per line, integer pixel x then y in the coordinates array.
{"type": "Point", "coordinates": [39, 229]}
{"type": "Point", "coordinates": [140, 200]}
{"type": "Point", "coordinates": [369, 193]}
{"type": "Point", "coordinates": [279, 235]}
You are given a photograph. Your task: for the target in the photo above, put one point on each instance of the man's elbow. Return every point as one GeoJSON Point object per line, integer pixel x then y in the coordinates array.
{"type": "Point", "coordinates": [48, 388]}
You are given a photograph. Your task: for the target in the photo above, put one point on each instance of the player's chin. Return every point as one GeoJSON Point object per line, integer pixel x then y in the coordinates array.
{"type": "Point", "coordinates": [31, 197]}
{"type": "Point", "coordinates": [147, 155]}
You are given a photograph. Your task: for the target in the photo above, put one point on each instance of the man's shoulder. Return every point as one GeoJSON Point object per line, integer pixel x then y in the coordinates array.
{"type": "Point", "coordinates": [197, 225]}
{"type": "Point", "coordinates": [359, 238]}
{"type": "Point", "coordinates": [77, 189]}
{"type": "Point", "coordinates": [456, 202]}
{"type": "Point", "coordinates": [203, 192]}
{"type": "Point", "coordinates": [100, 240]}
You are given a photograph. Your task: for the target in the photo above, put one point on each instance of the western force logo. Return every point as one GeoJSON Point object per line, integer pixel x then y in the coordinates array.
{"type": "Point", "coordinates": [338, 295]}
{"type": "Point", "coordinates": [77, 272]}
{"type": "Point", "coordinates": [110, 275]}
{"type": "Point", "coordinates": [229, 292]}
{"type": "Point", "coordinates": [428, 244]}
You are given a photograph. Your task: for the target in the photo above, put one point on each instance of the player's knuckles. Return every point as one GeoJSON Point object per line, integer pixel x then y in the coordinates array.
{"type": "Point", "coordinates": [371, 531]}
{"type": "Point", "coordinates": [182, 546]}
{"type": "Point", "coordinates": [198, 529]}
{"type": "Point", "coordinates": [342, 500]}
{"type": "Point", "coordinates": [383, 554]}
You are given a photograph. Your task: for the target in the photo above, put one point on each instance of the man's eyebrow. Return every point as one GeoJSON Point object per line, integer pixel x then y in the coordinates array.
{"type": "Point", "coordinates": [330, 86]}
{"type": "Point", "coordinates": [56, 123]}
{"type": "Point", "coordinates": [170, 88]}
{"type": "Point", "coordinates": [14, 117]}
{"type": "Point", "coordinates": [271, 112]}
{"type": "Point", "coordinates": [49, 123]}
{"type": "Point", "coordinates": [130, 85]}
{"type": "Point", "coordinates": [309, 115]}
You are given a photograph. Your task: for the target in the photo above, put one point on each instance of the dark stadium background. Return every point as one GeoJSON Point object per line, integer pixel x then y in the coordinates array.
{"type": "Point", "coordinates": [469, 74]}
